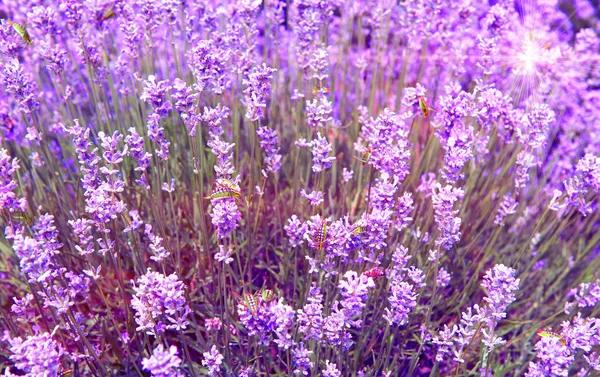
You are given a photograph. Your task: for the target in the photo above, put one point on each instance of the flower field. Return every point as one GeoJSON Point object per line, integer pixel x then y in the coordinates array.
{"type": "Point", "coordinates": [299, 188]}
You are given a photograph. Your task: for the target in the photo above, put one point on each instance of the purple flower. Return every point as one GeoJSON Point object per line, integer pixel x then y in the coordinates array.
{"type": "Point", "coordinates": [534, 127]}
{"type": "Point", "coordinates": [444, 342]}
{"type": "Point", "coordinates": [315, 198]}
{"type": "Point", "coordinates": [55, 58]}
{"type": "Point", "coordinates": [377, 226]}
{"type": "Point", "coordinates": [209, 63]}
{"type": "Point", "coordinates": [159, 303]}
{"type": "Point", "coordinates": [334, 327]}
{"type": "Point", "coordinates": [403, 210]}
{"type": "Point", "coordinates": [354, 289]}
{"type": "Point", "coordinates": [258, 85]}
{"type": "Point", "coordinates": [265, 318]}
{"type": "Point", "coordinates": [443, 278]}
{"type": "Point", "coordinates": [586, 295]}
{"type": "Point", "coordinates": [8, 199]}
{"type": "Point", "coordinates": [163, 363]}
{"type": "Point", "coordinates": [581, 334]}
{"type": "Point", "coordinates": [159, 253]}
{"type": "Point", "coordinates": [347, 175]}
{"type": "Point", "coordinates": [213, 361]}
{"type": "Point", "coordinates": [500, 284]}
{"type": "Point", "coordinates": [284, 315]}
{"type": "Point", "coordinates": [37, 355]}
{"type": "Point", "coordinates": [310, 317]}
{"type": "Point", "coordinates": [382, 194]}
{"type": "Point", "coordinates": [136, 149]}
{"type": "Point", "coordinates": [319, 64]}
{"type": "Point", "coordinates": [331, 370]}
{"type": "Point", "coordinates": [215, 117]}
{"type": "Point", "coordinates": [554, 358]}
{"type": "Point", "coordinates": [213, 324]}
{"type": "Point", "coordinates": [318, 112]}
{"type": "Point", "coordinates": [185, 104]}
{"type": "Point", "coordinates": [155, 94]}
{"type": "Point", "coordinates": [73, 13]}
{"type": "Point", "coordinates": [401, 295]}
{"type": "Point", "coordinates": [449, 226]}
{"type": "Point", "coordinates": [223, 150]}
{"type": "Point", "coordinates": [309, 16]}
{"type": "Point", "coordinates": [301, 359]}
{"type": "Point", "coordinates": [269, 143]}
{"type": "Point", "coordinates": [507, 207]}
{"type": "Point", "coordinates": [295, 230]}
{"type": "Point", "coordinates": [23, 308]}
{"type": "Point", "coordinates": [320, 150]}
{"type": "Point", "coordinates": [387, 137]}
{"type": "Point", "coordinates": [36, 256]}
{"type": "Point", "coordinates": [156, 134]}
{"type": "Point", "coordinates": [411, 99]}
{"type": "Point", "coordinates": [224, 255]}
{"type": "Point", "coordinates": [585, 178]}
{"type": "Point", "coordinates": [17, 84]}
{"type": "Point", "coordinates": [225, 216]}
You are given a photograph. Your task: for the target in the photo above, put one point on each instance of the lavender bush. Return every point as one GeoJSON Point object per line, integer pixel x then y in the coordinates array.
{"type": "Point", "coordinates": [309, 187]}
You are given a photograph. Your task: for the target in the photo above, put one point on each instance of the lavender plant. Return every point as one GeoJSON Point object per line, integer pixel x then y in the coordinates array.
{"type": "Point", "coordinates": [303, 187]}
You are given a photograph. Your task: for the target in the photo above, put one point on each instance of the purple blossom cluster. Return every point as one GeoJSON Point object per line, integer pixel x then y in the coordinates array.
{"type": "Point", "coordinates": [159, 303]}
{"type": "Point", "coordinates": [308, 187]}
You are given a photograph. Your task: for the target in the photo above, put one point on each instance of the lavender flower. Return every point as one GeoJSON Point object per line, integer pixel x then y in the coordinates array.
{"type": "Point", "coordinates": [258, 85]}
{"type": "Point", "coordinates": [310, 317]}
{"type": "Point", "coordinates": [295, 230]}
{"type": "Point", "coordinates": [315, 198]}
{"type": "Point", "coordinates": [387, 137]}
{"type": "Point", "coordinates": [444, 342]}
{"type": "Point", "coordinates": [402, 297]}
{"type": "Point", "coordinates": [156, 134]}
{"type": "Point", "coordinates": [382, 194]}
{"type": "Point", "coordinates": [213, 324]}
{"type": "Point", "coordinates": [507, 207]}
{"type": "Point", "coordinates": [224, 255]}
{"type": "Point", "coordinates": [185, 104]}
{"type": "Point", "coordinates": [318, 112]}
{"type": "Point", "coordinates": [347, 175]}
{"type": "Point", "coordinates": [354, 289]}
{"type": "Point", "coordinates": [8, 199]}
{"type": "Point", "coordinates": [449, 226]}
{"type": "Point", "coordinates": [331, 370]}
{"type": "Point", "coordinates": [16, 83]}
{"type": "Point", "coordinates": [334, 327]}
{"type": "Point", "coordinates": [535, 125]}
{"type": "Point", "coordinates": [213, 361]}
{"type": "Point", "coordinates": [500, 284]}
{"type": "Point", "coordinates": [136, 150]}
{"type": "Point", "coordinates": [159, 303]}
{"type": "Point", "coordinates": [268, 142]}
{"type": "Point", "coordinates": [586, 295]}
{"type": "Point", "coordinates": [225, 216]}
{"type": "Point", "coordinates": [155, 94]}
{"type": "Point", "coordinates": [264, 319]}
{"type": "Point", "coordinates": [301, 360]}
{"type": "Point", "coordinates": [159, 253]}
{"type": "Point", "coordinates": [403, 209]}
{"type": "Point", "coordinates": [163, 363]}
{"type": "Point", "coordinates": [320, 150]}
{"type": "Point", "coordinates": [554, 357]}
{"type": "Point", "coordinates": [37, 355]}
{"type": "Point", "coordinates": [209, 66]}
{"type": "Point", "coordinates": [215, 117]}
